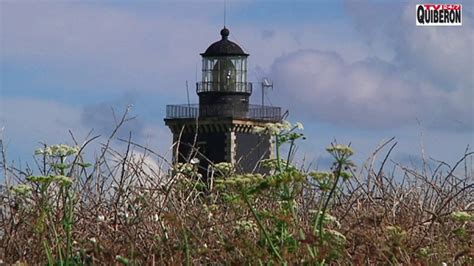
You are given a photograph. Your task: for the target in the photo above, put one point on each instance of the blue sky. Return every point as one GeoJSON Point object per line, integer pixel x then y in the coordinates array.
{"type": "Point", "coordinates": [355, 71]}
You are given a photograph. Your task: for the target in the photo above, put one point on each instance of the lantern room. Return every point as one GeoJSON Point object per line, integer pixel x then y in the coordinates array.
{"type": "Point", "coordinates": [224, 74]}
{"type": "Point", "coordinates": [224, 67]}
{"type": "Point", "coordinates": [224, 90]}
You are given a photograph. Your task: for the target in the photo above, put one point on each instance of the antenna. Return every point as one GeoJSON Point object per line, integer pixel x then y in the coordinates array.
{"type": "Point", "coordinates": [187, 92]}
{"type": "Point", "coordinates": [196, 73]}
{"type": "Point", "coordinates": [266, 83]}
{"type": "Point", "coordinates": [224, 11]}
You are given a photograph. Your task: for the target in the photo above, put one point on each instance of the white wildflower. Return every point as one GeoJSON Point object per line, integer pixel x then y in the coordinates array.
{"type": "Point", "coordinates": [41, 179]}
{"type": "Point", "coordinates": [342, 149]}
{"type": "Point", "coordinates": [101, 218]}
{"type": "Point", "coordinates": [246, 225]}
{"type": "Point", "coordinates": [194, 160]}
{"type": "Point", "coordinates": [299, 125]}
{"type": "Point", "coordinates": [330, 218]}
{"type": "Point", "coordinates": [21, 189]}
{"type": "Point", "coordinates": [185, 168]}
{"type": "Point", "coordinates": [63, 180]}
{"type": "Point", "coordinates": [39, 152]}
{"type": "Point", "coordinates": [273, 128]}
{"type": "Point", "coordinates": [285, 125]}
{"type": "Point", "coordinates": [258, 130]}
{"type": "Point", "coordinates": [224, 167]}
{"type": "Point", "coordinates": [60, 150]}
{"type": "Point", "coordinates": [321, 175]}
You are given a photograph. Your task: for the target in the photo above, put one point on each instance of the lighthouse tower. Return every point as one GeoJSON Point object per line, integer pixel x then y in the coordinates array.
{"type": "Point", "coordinates": [220, 127]}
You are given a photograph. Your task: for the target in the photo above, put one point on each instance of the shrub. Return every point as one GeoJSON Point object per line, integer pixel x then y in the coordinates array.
{"type": "Point", "coordinates": [123, 207]}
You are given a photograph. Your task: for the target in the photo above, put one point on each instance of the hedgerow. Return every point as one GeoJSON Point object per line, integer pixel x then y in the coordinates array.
{"type": "Point", "coordinates": [122, 207]}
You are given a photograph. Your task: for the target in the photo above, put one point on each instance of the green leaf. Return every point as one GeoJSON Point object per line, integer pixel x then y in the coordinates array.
{"type": "Point", "coordinates": [122, 260]}
{"type": "Point", "coordinates": [61, 166]}
{"type": "Point", "coordinates": [84, 165]}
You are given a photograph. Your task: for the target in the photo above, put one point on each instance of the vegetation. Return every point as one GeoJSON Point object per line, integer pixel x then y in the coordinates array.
{"type": "Point", "coordinates": [122, 208]}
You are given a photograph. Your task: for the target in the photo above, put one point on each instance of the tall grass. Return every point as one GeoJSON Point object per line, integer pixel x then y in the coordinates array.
{"type": "Point", "coordinates": [123, 208]}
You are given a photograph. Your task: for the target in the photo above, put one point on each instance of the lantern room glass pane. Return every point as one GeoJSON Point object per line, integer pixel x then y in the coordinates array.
{"type": "Point", "coordinates": [224, 73]}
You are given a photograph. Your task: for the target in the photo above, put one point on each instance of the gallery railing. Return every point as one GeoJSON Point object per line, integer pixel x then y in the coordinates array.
{"type": "Point", "coordinates": [214, 86]}
{"type": "Point", "coordinates": [259, 112]}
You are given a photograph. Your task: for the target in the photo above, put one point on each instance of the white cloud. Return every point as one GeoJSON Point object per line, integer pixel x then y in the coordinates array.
{"type": "Point", "coordinates": [90, 46]}
{"type": "Point", "coordinates": [441, 54]}
{"type": "Point", "coordinates": [158, 138]}
{"type": "Point", "coordinates": [429, 75]}
{"type": "Point", "coordinates": [94, 46]}
{"type": "Point", "coordinates": [370, 93]}
{"type": "Point", "coordinates": [28, 121]}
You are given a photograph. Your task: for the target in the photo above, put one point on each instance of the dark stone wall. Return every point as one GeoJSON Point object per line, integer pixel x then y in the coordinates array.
{"type": "Point", "coordinates": [211, 144]}
{"type": "Point", "coordinates": [223, 104]}
{"type": "Point", "coordinates": [250, 149]}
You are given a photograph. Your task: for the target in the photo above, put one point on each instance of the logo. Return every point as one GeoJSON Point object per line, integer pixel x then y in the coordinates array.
{"type": "Point", "coordinates": [439, 15]}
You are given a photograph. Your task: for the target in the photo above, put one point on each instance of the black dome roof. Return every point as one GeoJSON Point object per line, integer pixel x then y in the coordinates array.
{"type": "Point", "coordinates": [224, 47]}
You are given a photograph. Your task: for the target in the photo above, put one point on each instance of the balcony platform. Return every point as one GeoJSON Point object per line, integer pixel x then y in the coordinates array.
{"type": "Point", "coordinates": [255, 112]}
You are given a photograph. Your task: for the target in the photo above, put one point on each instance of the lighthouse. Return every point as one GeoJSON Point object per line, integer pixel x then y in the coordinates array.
{"type": "Point", "coordinates": [221, 127]}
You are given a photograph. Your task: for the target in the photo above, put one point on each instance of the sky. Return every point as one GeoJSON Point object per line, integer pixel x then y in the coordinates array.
{"type": "Point", "coordinates": [358, 72]}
